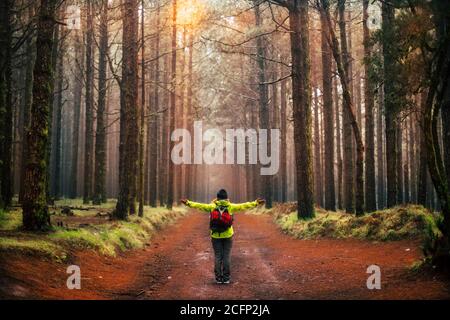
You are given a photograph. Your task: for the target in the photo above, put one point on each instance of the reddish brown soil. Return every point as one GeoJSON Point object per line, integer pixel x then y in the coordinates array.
{"type": "Point", "coordinates": [266, 264]}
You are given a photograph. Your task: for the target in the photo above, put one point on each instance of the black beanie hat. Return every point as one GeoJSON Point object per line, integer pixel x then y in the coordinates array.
{"type": "Point", "coordinates": [222, 194]}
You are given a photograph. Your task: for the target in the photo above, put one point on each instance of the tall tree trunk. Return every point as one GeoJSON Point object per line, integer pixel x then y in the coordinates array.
{"type": "Point", "coordinates": [406, 165]}
{"type": "Point", "coordinates": [153, 122]}
{"type": "Point", "coordinates": [89, 102]}
{"type": "Point", "coordinates": [413, 158]}
{"type": "Point", "coordinates": [35, 210]}
{"type": "Point", "coordinates": [78, 92]}
{"type": "Point", "coordinates": [6, 102]}
{"type": "Point", "coordinates": [31, 55]}
{"type": "Point", "coordinates": [380, 154]}
{"type": "Point", "coordinates": [264, 115]}
{"type": "Point", "coordinates": [173, 103]}
{"type": "Point", "coordinates": [423, 166]}
{"type": "Point", "coordinates": [348, 154]}
{"type": "Point", "coordinates": [275, 124]}
{"type": "Point", "coordinates": [142, 117]}
{"type": "Point", "coordinates": [390, 106]}
{"type": "Point", "coordinates": [189, 112]}
{"type": "Point", "coordinates": [164, 171]}
{"type": "Point", "coordinates": [369, 91]}
{"type": "Point", "coordinates": [128, 112]}
{"type": "Point", "coordinates": [301, 99]}
{"type": "Point", "coordinates": [100, 137]}
{"type": "Point", "coordinates": [317, 153]}
{"type": "Point", "coordinates": [349, 109]}
{"type": "Point", "coordinates": [399, 136]}
{"type": "Point", "coordinates": [338, 146]}
{"type": "Point", "coordinates": [330, 195]}
{"type": "Point", "coordinates": [284, 147]}
{"type": "Point", "coordinates": [58, 121]}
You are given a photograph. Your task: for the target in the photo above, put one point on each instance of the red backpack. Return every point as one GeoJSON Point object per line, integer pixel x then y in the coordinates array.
{"type": "Point", "coordinates": [220, 219]}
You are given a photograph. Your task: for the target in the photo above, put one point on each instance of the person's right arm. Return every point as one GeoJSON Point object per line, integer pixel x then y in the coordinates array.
{"type": "Point", "coordinates": [208, 207]}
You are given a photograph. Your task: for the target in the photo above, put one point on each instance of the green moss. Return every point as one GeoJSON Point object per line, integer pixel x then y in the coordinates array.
{"type": "Point", "coordinates": [42, 247]}
{"type": "Point", "coordinates": [119, 235]}
{"type": "Point", "coordinates": [10, 220]}
{"type": "Point", "coordinates": [386, 225]}
{"type": "Point", "coordinates": [107, 238]}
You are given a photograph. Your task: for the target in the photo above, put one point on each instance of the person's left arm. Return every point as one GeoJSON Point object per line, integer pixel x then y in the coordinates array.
{"type": "Point", "coordinates": [243, 206]}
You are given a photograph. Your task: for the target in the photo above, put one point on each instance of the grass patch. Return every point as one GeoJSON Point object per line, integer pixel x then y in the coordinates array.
{"type": "Point", "coordinates": [408, 222]}
{"type": "Point", "coordinates": [10, 220]}
{"type": "Point", "coordinates": [107, 238]}
{"type": "Point", "coordinates": [33, 246]}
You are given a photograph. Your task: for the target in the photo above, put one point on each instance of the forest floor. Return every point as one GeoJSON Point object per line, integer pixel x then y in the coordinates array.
{"type": "Point", "coordinates": [266, 264]}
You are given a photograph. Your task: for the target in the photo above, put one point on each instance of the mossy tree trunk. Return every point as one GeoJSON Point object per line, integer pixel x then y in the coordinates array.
{"type": "Point", "coordinates": [35, 210]}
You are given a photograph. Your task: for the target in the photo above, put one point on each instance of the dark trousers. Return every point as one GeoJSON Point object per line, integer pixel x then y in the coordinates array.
{"type": "Point", "coordinates": [222, 262]}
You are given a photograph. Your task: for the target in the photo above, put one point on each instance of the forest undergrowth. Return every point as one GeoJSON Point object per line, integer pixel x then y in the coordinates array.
{"type": "Point", "coordinates": [86, 227]}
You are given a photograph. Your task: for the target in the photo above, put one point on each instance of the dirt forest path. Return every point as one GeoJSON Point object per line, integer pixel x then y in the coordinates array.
{"type": "Point", "coordinates": [266, 264]}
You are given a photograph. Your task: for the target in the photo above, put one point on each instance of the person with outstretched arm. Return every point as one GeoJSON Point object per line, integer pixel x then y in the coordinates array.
{"type": "Point", "coordinates": [221, 212]}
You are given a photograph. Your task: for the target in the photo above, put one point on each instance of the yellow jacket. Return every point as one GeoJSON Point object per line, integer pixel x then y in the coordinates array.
{"type": "Point", "coordinates": [232, 208]}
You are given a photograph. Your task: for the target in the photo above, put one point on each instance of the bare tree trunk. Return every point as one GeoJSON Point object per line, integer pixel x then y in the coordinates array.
{"type": "Point", "coordinates": [317, 153]}
{"type": "Point", "coordinates": [390, 106]}
{"type": "Point", "coordinates": [330, 195]}
{"type": "Point", "coordinates": [173, 103]}
{"type": "Point", "coordinates": [78, 91]}
{"type": "Point", "coordinates": [153, 134]}
{"type": "Point", "coordinates": [338, 146]}
{"type": "Point", "coordinates": [31, 55]}
{"type": "Point", "coordinates": [264, 115]}
{"type": "Point", "coordinates": [301, 96]}
{"type": "Point", "coordinates": [128, 113]}
{"type": "Point", "coordinates": [380, 155]}
{"type": "Point", "coordinates": [59, 105]}
{"type": "Point", "coordinates": [189, 111]}
{"type": "Point", "coordinates": [283, 119]}
{"type": "Point", "coordinates": [348, 155]}
{"type": "Point", "coordinates": [89, 130]}
{"type": "Point", "coordinates": [423, 166]}
{"type": "Point", "coordinates": [349, 109]}
{"type": "Point", "coordinates": [369, 103]}
{"type": "Point", "coordinates": [6, 103]}
{"type": "Point", "coordinates": [399, 136]}
{"type": "Point", "coordinates": [142, 117]}
{"type": "Point", "coordinates": [100, 140]}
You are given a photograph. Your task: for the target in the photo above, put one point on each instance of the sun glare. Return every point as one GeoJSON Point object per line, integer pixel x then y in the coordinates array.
{"type": "Point", "coordinates": [190, 12]}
